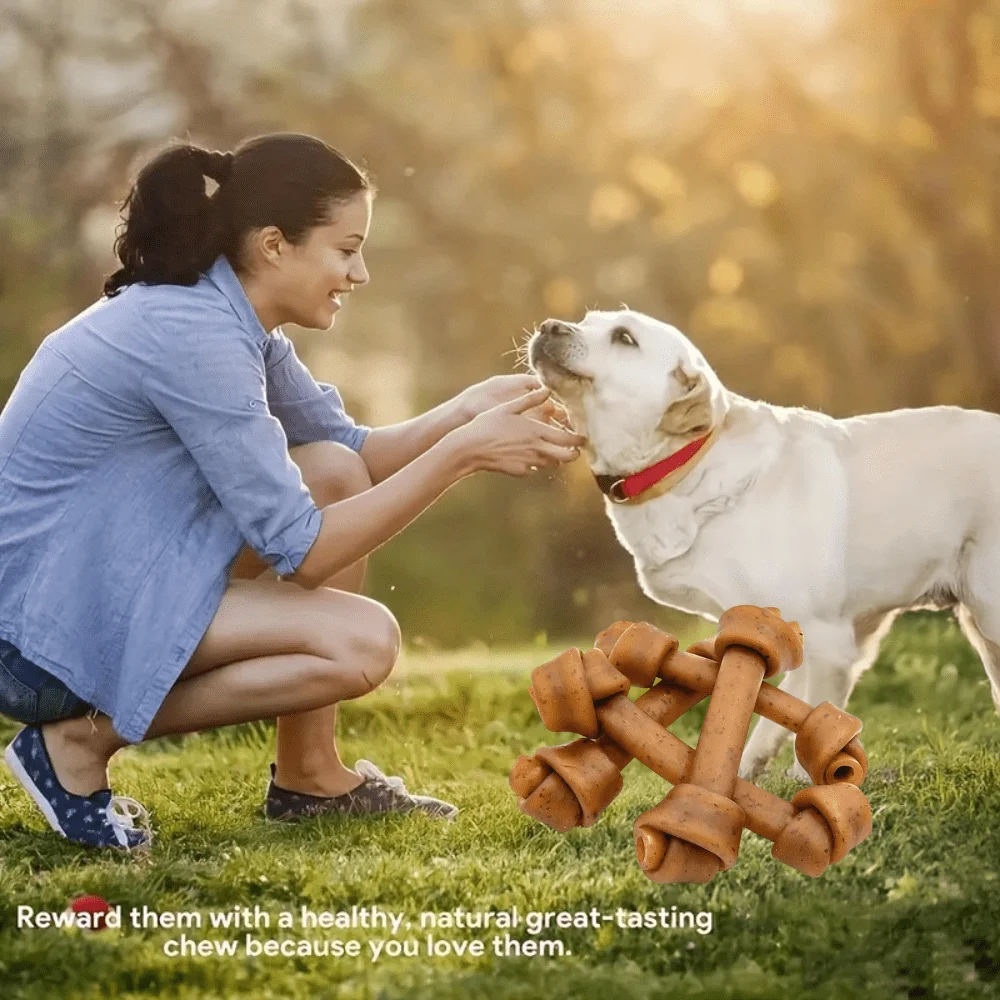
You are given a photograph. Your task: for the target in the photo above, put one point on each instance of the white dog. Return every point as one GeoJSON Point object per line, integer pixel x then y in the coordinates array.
{"type": "Point", "coordinates": [841, 524]}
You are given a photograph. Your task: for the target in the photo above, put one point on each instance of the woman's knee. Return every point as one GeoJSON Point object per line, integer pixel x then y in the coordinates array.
{"type": "Point", "coordinates": [380, 644]}
{"type": "Point", "coordinates": [331, 471]}
{"type": "Point", "coordinates": [367, 645]}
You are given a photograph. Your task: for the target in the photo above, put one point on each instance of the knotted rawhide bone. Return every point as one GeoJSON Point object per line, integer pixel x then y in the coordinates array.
{"type": "Point", "coordinates": [551, 784]}
{"type": "Point", "coordinates": [558, 806]}
{"type": "Point", "coordinates": [696, 829]}
{"type": "Point", "coordinates": [830, 821]}
{"type": "Point", "coordinates": [559, 786]}
{"type": "Point", "coordinates": [826, 741]}
{"type": "Point", "coordinates": [565, 688]}
{"type": "Point", "coordinates": [637, 730]}
{"type": "Point", "coordinates": [568, 785]}
{"type": "Point", "coordinates": [607, 638]}
{"type": "Point", "coordinates": [641, 651]}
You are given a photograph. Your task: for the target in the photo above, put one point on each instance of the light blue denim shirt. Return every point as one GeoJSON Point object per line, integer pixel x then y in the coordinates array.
{"type": "Point", "coordinates": [144, 443]}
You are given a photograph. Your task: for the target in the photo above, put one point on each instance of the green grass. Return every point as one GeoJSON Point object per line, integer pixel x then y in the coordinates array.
{"type": "Point", "coordinates": [913, 912]}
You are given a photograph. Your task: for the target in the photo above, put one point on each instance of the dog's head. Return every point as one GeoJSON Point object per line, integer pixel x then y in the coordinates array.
{"type": "Point", "coordinates": [636, 387]}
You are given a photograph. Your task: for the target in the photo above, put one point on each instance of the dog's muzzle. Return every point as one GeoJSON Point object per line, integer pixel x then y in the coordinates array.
{"type": "Point", "coordinates": [555, 347]}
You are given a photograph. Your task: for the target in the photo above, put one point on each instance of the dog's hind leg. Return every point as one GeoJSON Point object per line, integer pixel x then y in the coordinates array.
{"type": "Point", "coordinates": [978, 611]}
{"type": "Point", "coordinates": [987, 648]}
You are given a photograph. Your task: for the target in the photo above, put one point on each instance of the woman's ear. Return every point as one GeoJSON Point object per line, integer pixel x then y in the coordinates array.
{"type": "Point", "coordinates": [692, 412]}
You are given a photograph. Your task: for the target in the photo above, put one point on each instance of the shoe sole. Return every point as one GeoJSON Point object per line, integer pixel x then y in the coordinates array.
{"type": "Point", "coordinates": [434, 807]}
{"type": "Point", "coordinates": [291, 816]}
{"type": "Point", "coordinates": [14, 763]}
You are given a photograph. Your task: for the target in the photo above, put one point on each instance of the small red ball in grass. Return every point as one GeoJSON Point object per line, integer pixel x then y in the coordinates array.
{"type": "Point", "coordinates": [94, 905]}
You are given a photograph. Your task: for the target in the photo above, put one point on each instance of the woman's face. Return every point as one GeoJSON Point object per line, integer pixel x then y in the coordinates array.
{"type": "Point", "coordinates": [317, 272]}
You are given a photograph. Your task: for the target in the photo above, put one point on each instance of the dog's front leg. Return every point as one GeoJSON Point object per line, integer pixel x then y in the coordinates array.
{"type": "Point", "coordinates": [825, 675]}
{"type": "Point", "coordinates": [767, 737]}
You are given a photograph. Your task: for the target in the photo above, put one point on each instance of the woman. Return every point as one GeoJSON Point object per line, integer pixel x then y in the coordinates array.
{"type": "Point", "coordinates": [187, 512]}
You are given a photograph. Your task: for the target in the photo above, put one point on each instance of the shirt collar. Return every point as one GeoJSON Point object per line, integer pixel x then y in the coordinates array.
{"type": "Point", "coordinates": [222, 275]}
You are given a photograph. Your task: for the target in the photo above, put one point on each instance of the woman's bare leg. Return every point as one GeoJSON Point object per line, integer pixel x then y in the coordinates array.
{"type": "Point", "coordinates": [272, 649]}
{"type": "Point", "coordinates": [243, 670]}
{"type": "Point", "coordinates": [306, 755]}
{"type": "Point", "coordinates": [80, 750]}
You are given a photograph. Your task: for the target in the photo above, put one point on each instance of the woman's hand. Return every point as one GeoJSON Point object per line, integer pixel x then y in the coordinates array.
{"type": "Point", "coordinates": [495, 390]}
{"type": "Point", "coordinates": [500, 389]}
{"type": "Point", "coordinates": [507, 438]}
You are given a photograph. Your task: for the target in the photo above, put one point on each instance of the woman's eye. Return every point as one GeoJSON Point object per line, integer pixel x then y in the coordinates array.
{"type": "Point", "coordinates": [619, 335]}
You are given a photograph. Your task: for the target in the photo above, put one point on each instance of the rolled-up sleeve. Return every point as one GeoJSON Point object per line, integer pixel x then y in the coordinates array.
{"type": "Point", "coordinates": [209, 386]}
{"type": "Point", "coordinates": [308, 410]}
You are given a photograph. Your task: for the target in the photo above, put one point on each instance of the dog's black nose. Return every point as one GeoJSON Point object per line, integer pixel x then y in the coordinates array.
{"type": "Point", "coordinates": [554, 327]}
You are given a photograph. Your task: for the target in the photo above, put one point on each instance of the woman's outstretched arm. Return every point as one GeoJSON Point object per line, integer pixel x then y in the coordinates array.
{"type": "Point", "coordinates": [498, 440]}
{"type": "Point", "coordinates": [387, 449]}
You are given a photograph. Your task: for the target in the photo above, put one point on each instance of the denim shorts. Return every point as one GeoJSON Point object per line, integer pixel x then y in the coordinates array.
{"type": "Point", "coordinates": [31, 695]}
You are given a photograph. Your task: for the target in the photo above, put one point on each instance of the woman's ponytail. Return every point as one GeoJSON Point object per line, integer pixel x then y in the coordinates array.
{"type": "Point", "coordinates": [173, 229]}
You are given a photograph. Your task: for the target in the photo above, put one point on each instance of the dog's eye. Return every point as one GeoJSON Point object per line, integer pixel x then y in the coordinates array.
{"type": "Point", "coordinates": [621, 335]}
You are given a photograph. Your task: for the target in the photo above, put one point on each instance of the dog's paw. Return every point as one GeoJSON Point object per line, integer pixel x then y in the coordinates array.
{"type": "Point", "coordinates": [750, 770]}
{"type": "Point", "coordinates": [798, 773]}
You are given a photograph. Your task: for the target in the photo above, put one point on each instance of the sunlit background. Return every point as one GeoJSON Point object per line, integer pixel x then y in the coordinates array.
{"type": "Point", "coordinates": [807, 189]}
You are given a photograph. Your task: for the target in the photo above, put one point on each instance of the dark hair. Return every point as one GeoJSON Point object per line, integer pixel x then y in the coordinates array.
{"type": "Point", "coordinates": [172, 229]}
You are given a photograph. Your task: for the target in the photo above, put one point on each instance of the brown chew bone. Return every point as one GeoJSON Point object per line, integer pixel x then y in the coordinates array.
{"type": "Point", "coordinates": [829, 761]}
{"type": "Point", "coordinates": [826, 741]}
{"type": "Point", "coordinates": [607, 638]}
{"type": "Point", "coordinates": [640, 652]}
{"type": "Point", "coordinates": [703, 647]}
{"type": "Point", "coordinates": [564, 690]}
{"type": "Point", "coordinates": [696, 829]}
{"type": "Point", "coordinates": [566, 786]}
{"type": "Point", "coordinates": [570, 785]}
{"type": "Point", "coordinates": [548, 791]}
{"type": "Point", "coordinates": [637, 729]}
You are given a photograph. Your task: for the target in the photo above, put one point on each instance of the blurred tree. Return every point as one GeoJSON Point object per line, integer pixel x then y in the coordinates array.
{"type": "Point", "coordinates": [883, 135]}
{"type": "Point", "coordinates": [808, 193]}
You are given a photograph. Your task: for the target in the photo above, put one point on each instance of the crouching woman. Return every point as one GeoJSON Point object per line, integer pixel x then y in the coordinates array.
{"type": "Point", "coordinates": [187, 512]}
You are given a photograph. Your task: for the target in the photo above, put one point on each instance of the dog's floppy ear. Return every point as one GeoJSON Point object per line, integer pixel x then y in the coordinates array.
{"type": "Point", "coordinates": [692, 412]}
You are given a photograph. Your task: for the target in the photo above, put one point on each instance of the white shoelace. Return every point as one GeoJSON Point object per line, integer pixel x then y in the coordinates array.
{"type": "Point", "coordinates": [122, 811]}
{"type": "Point", "coordinates": [370, 770]}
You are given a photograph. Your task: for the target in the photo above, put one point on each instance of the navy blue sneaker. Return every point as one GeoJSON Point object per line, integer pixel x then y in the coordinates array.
{"type": "Point", "coordinates": [98, 820]}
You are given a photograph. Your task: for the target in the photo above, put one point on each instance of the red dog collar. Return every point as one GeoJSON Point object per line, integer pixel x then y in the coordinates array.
{"type": "Point", "coordinates": [621, 489]}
